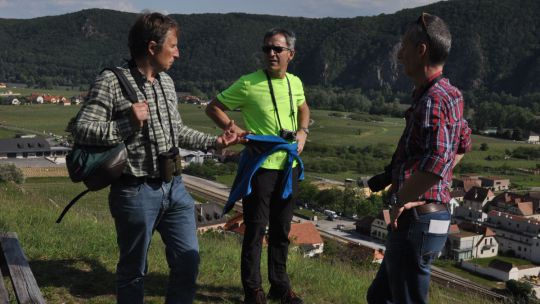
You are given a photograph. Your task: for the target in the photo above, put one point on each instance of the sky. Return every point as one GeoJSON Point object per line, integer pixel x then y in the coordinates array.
{"type": "Point", "coordinates": [25, 9]}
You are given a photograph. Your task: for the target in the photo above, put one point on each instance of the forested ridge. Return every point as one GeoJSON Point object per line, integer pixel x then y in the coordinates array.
{"type": "Point", "coordinates": [345, 63]}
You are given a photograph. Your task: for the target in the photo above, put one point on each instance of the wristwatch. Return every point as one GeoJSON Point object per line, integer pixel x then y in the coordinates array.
{"type": "Point", "coordinates": [306, 130]}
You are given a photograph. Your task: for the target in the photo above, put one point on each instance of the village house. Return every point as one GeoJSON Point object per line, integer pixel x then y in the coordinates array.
{"type": "Point", "coordinates": [473, 208]}
{"type": "Point", "coordinates": [29, 147]}
{"type": "Point", "coordinates": [516, 235]}
{"type": "Point", "coordinates": [36, 98]}
{"type": "Point", "coordinates": [470, 241]}
{"type": "Point", "coordinates": [306, 237]}
{"type": "Point", "coordinates": [380, 224]}
{"type": "Point", "coordinates": [466, 182]}
{"type": "Point", "coordinates": [502, 270]}
{"type": "Point", "coordinates": [458, 194]}
{"type": "Point", "coordinates": [75, 100]}
{"type": "Point", "coordinates": [303, 235]}
{"type": "Point", "coordinates": [208, 216]}
{"type": "Point", "coordinates": [197, 157]}
{"type": "Point", "coordinates": [534, 138]}
{"type": "Point", "coordinates": [363, 225]}
{"type": "Point", "coordinates": [64, 102]}
{"type": "Point", "coordinates": [513, 203]}
{"type": "Point", "coordinates": [495, 183]}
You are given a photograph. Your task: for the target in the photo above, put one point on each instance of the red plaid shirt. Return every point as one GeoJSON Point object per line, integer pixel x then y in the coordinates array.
{"type": "Point", "coordinates": [435, 132]}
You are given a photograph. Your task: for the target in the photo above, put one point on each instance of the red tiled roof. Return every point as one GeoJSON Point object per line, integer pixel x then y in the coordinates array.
{"type": "Point", "coordinates": [489, 232]}
{"type": "Point", "coordinates": [366, 221]}
{"type": "Point", "coordinates": [526, 208]}
{"type": "Point", "coordinates": [378, 254]}
{"type": "Point", "coordinates": [304, 233]}
{"type": "Point", "coordinates": [453, 229]}
{"type": "Point", "coordinates": [235, 221]}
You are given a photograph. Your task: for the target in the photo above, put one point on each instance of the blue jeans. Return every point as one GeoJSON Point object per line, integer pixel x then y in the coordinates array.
{"type": "Point", "coordinates": [138, 210]}
{"type": "Point", "coordinates": [405, 272]}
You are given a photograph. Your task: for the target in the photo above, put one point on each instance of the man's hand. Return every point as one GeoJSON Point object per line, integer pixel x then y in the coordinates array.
{"type": "Point", "coordinates": [396, 211]}
{"type": "Point", "coordinates": [231, 135]}
{"type": "Point", "coordinates": [301, 137]}
{"type": "Point", "coordinates": [140, 112]}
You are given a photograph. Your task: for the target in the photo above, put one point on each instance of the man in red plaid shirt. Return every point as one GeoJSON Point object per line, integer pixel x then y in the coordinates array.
{"type": "Point", "coordinates": [434, 140]}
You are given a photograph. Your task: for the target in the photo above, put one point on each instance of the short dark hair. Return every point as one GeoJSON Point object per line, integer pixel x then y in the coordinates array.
{"type": "Point", "coordinates": [433, 31]}
{"type": "Point", "coordinates": [290, 37]}
{"type": "Point", "coordinates": [149, 27]}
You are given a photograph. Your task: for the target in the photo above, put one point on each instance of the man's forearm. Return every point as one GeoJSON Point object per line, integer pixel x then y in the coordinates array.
{"type": "Point", "coordinates": [303, 115]}
{"type": "Point", "coordinates": [217, 114]}
{"type": "Point", "coordinates": [416, 185]}
{"type": "Point", "coordinates": [457, 159]}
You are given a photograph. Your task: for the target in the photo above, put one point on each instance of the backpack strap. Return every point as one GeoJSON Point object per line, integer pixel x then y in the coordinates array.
{"type": "Point", "coordinates": [131, 94]}
{"type": "Point", "coordinates": [68, 206]}
{"type": "Point", "coordinates": [125, 85]}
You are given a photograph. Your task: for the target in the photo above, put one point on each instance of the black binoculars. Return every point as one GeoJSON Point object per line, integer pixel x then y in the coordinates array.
{"type": "Point", "coordinates": [170, 164]}
{"type": "Point", "coordinates": [287, 134]}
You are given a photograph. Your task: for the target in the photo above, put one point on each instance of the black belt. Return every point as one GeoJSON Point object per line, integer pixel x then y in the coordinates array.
{"type": "Point", "coordinates": [128, 179]}
{"type": "Point", "coordinates": [430, 208]}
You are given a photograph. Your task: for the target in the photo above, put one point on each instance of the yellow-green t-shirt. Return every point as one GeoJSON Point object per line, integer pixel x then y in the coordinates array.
{"type": "Point", "coordinates": [251, 95]}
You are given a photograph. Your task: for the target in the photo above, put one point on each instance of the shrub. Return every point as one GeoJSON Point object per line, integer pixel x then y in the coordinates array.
{"type": "Point", "coordinates": [10, 173]}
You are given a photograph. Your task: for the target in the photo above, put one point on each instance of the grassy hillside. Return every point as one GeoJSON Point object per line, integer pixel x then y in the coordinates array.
{"type": "Point", "coordinates": [74, 262]}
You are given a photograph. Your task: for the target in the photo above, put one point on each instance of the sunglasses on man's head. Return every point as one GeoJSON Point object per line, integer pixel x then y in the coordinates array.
{"type": "Point", "coordinates": [422, 21]}
{"type": "Point", "coordinates": [277, 49]}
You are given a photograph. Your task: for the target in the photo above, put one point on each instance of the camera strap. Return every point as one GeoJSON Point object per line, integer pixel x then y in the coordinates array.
{"type": "Point", "coordinates": [292, 116]}
{"type": "Point", "coordinates": [140, 84]}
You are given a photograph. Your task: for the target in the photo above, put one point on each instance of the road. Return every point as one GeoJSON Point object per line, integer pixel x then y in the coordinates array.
{"type": "Point", "coordinates": [348, 232]}
{"type": "Point", "coordinates": [219, 193]}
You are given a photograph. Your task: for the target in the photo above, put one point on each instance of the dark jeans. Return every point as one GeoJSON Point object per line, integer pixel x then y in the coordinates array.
{"type": "Point", "coordinates": [405, 272]}
{"type": "Point", "coordinates": [263, 207]}
{"type": "Point", "coordinates": [138, 210]}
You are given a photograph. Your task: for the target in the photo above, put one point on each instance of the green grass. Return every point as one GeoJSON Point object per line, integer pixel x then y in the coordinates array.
{"type": "Point", "coordinates": [452, 267]}
{"type": "Point", "coordinates": [74, 262]}
{"type": "Point", "coordinates": [515, 261]}
{"type": "Point", "coordinates": [330, 130]}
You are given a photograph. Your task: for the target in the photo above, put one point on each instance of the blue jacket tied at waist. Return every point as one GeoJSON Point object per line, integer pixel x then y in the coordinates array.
{"type": "Point", "coordinates": [258, 148]}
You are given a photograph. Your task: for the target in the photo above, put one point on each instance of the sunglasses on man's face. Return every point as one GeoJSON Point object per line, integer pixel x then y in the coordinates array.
{"type": "Point", "coordinates": [277, 49]}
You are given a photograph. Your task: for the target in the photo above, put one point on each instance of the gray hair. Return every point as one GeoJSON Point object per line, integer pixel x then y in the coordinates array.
{"type": "Point", "coordinates": [433, 31]}
{"type": "Point", "coordinates": [290, 37]}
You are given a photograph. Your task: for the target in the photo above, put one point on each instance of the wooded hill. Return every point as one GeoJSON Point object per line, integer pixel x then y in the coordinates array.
{"type": "Point", "coordinates": [496, 46]}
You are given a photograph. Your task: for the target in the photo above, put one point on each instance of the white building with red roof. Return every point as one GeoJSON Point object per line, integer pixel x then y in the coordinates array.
{"type": "Point", "coordinates": [307, 238]}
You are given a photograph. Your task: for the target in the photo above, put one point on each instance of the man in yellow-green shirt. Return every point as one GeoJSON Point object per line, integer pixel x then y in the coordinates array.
{"type": "Point", "coordinates": [272, 102]}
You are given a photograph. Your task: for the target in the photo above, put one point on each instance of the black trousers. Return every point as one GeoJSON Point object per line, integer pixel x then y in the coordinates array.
{"type": "Point", "coordinates": [263, 207]}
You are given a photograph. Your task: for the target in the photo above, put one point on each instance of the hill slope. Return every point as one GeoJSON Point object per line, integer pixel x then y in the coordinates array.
{"type": "Point", "coordinates": [74, 262]}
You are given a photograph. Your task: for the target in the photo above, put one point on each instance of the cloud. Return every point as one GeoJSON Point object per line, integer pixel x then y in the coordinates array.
{"type": "Point", "coordinates": [125, 6]}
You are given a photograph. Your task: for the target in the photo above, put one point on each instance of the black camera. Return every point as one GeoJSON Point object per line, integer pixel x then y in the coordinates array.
{"type": "Point", "coordinates": [170, 164]}
{"type": "Point", "coordinates": [287, 134]}
{"type": "Point", "coordinates": [380, 181]}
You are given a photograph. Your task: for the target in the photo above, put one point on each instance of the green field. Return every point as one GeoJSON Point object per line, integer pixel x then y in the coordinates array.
{"type": "Point", "coordinates": [326, 129]}
{"type": "Point", "coordinates": [74, 261]}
